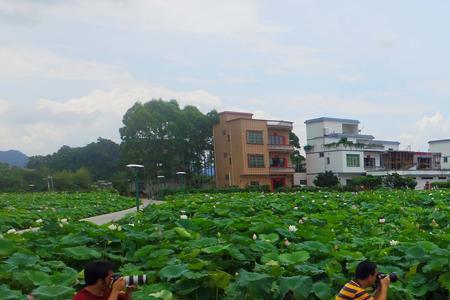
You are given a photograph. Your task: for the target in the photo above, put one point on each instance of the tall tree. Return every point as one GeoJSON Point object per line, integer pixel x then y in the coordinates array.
{"type": "Point", "coordinates": [160, 132]}
{"type": "Point", "coordinates": [296, 158]}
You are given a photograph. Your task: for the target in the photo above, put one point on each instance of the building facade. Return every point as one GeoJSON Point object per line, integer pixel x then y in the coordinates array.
{"type": "Point", "coordinates": [337, 145]}
{"type": "Point", "coordinates": [252, 151]}
{"type": "Point", "coordinates": [442, 146]}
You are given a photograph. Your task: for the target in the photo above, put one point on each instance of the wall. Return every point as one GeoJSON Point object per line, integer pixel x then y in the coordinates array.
{"type": "Point", "coordinates": [444, 149]}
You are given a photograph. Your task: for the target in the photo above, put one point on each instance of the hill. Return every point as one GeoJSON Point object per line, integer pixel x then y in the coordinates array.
{"type": "Point", "coordinates": [14, 158]}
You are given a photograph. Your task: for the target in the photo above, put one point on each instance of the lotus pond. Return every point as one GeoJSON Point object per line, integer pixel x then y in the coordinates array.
{"type": "Point", "coordinates": [19, 211]}
{"type": "Point", "coordinates": [245, 246]}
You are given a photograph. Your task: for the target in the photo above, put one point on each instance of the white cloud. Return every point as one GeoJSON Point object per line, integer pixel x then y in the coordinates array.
{"type": "Point", "coordinates": [48, 124]}
{"type": "Point", "coordinates": [24, 63]}
{"type": "Point", "coordinates": [229, 18]}
{"type": "Point", "coordinates": [329, 105]}
{"type": "Point", "coordinates": [4, 105]}
{"type": "Point", "coordinates": [428, 128]}
{"type": "Point", "coordinates": [439, 86]}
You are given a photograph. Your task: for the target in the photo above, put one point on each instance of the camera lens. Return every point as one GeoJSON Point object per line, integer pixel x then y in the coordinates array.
{"type": "Point", "coordinates": [136, 279]}
{"type": "Point", "coordinates": [393, 277]}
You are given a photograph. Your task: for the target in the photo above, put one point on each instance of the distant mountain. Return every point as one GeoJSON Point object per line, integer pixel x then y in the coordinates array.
{"type": "Point", "coordinates": [14, 158]}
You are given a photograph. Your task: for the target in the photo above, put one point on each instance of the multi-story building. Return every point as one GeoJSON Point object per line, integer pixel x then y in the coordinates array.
{"type": "Point", "coordinates": [337, 145]}
{"type": "Point", "coordinates": [442, 146]}
{"type": "Point", "coordinates": [252, 151]}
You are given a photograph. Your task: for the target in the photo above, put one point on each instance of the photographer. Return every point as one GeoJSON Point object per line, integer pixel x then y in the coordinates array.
{"type": "Point", "coordinates": [100, 285]}
{"type": "Point", "coordinates": [366, 276]}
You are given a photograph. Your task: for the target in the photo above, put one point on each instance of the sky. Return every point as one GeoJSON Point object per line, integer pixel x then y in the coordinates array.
{"type": "Point", "coordinates": [70, 69]}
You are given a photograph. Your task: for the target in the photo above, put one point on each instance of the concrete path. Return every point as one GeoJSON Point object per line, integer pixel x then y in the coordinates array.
{"type": "Point", "coordinates": [106, 218]}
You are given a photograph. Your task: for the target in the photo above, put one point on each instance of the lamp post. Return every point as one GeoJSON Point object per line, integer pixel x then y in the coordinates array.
{"type": "Point", "coordinates": [134, 168]}
{"type": "Point", "coordinates": [181, 174]}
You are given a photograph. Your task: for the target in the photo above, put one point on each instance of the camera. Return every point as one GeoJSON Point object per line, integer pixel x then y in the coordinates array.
{"type": "Point", "coordinates": [393, 278]}
{"type": "Point", "coordinates": [132, 279]}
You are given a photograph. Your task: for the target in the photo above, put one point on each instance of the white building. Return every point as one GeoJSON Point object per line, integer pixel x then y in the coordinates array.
{"type": "Point", "coordinates": [442, 146]}
{"type": "Point", "coordinates": [337, 145]}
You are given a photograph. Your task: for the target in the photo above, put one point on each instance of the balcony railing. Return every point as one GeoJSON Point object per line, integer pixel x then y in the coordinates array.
{"type": "Point", "coordinates": [281, 170]}
{"type": "Point", "coordinates": [279, 124]}
{"type": "Point", "coordinates": [276, 147]}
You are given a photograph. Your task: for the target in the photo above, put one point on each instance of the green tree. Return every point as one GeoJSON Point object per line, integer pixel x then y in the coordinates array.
{"type": "Point", "coordinates": [101, 158]}
{"type": "Point", "coordinates": [160, 132]}
{"type": "Point", "coordinates": [296, 158]}
{"type": "Point", "coordinates": [368, 182]}
{"type": "Point", "coordinates": [395, 181]}
{"type": "Point", "coordinates": [327, 179]}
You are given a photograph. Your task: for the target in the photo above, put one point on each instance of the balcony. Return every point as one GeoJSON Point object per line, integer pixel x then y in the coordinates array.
{"type": "Point", "coordinates": [279, 125]}
{"type": "Point", "coordinates": [281, 170]}
{"type": "Point", "coordinates": [280, 148]}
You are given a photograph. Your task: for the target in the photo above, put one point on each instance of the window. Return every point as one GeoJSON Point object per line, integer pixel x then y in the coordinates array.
{"type": "Point", "coordinates": [277, 162]}
{"type": "Point", "coordinates": [225, 155]}
{"type": "Point", "coordinates": [303, 182]}
{"type": "Point", "coordinates": [353, 160]}
{"type": "Point", "coordinates": [228, 137]}
{"type": "Point", "coordinates": [321, 154]}
{"type": "Point", "coordinates": [429, 178]}
{"type": "Point", "coordinates": [230, 160]}
{"type": "Point", "coordinates": [227, 177]}
{"type": "Point", "coordinates": [446, 159]}
{"type": "Point", "coordinates": [442, 178]}
{"type": "Point", "coordinates": [224, 132]}
{"type": "Point", "coordinates": [256, 161]}
{"type": "Point", "coordinates": [328, 160]}
{"type": "Point", "coordinates": [254, 183]}
{"type": "Point", "coordinates": [369, 161]}
{"type": "Point", "coordinates": [254, 137]}
{"type": "Point", "coordinates": [276, 140]}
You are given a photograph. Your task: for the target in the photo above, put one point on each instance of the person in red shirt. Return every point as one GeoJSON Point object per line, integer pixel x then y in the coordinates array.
{"type": "Point", "coordinates": [98, 276]}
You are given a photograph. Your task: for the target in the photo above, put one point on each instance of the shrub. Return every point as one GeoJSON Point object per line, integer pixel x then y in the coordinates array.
{"type": "Point", "coordinates": [368, 182]}
{"type": "Point", "coordinates": [395, 181]}
{"type": "Point", "coordinates": [441, 185]}
{"type": "Point", "coordinates": [327, 179]}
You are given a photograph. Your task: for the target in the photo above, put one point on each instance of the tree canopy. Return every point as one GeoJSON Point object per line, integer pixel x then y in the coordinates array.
{"type": "Point", "coordinates": [163, 137]}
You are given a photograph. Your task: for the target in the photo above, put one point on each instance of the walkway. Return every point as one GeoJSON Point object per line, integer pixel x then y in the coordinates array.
{"type": "Point", "coordinates": [106, 218]}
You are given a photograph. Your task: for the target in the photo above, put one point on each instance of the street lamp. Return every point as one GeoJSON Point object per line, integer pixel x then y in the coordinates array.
{"type": "Point", "coordinates": [134, 168]}
{"type": "Point", "coordinates": [181, 174]}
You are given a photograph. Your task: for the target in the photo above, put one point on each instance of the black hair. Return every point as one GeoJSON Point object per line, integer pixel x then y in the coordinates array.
{"type": "Point", "coordinates": [96, 270]}
{"type": "Point", "coordinates": [364, 269]}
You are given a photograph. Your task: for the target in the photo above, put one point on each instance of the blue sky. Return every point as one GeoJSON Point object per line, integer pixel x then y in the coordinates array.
{"type": "Point", "coordinates": [69, 70]}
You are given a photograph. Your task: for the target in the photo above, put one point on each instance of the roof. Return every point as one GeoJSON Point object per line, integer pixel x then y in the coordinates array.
{"type": "Point", "coordinates": [439, 141]}
{"type": "Point", "coordinates": [323, 119]}
{"type": "Point", "coordinates": [350, 135]}
{"type": "Point", "coordinates": [386, 142]}
{"type": "Point", "coordinates": [235, 113]}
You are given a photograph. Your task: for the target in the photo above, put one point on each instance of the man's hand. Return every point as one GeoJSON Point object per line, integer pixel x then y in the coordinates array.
{"type": "Point", "coordinates": [118, 285]}
{"type": "Point", "coordinates": [385, 282]}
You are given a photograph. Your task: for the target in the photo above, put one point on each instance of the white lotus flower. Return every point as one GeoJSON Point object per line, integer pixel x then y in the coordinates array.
{"type": "Point", "coordinates": [292, 228]}
{"type": "Point", "coordinates": [183, 217]}
{"type": "Point", "coordinates": [182, 211]}
{"type": "Point", "coordinates": [39, 221]}
{"type": "Point", "coordinates": [313, 201]}
{"type": "Point", "coordinates": [119, 228]}
{"type": "Point", "coordinates": [131, 224]}
{"type": "Point", "coordinates": [11, 231]}
{"type": "Point", "coordinates": [112, 227]}
{"type": "Point", "coordinates": [295, 208]}
{"type": "Point", "coordinates": [354, 206]}
{"type": "Point", "coordinates": [382, 220]}
{"type": "Point", "coordinates": [64, 221]}
{"type": "Point", "coordinates": [393, 243]}
{"type": "Point", "coordinates": [286, 242]}
{"type": "Point", "coordinates": [255, 236]}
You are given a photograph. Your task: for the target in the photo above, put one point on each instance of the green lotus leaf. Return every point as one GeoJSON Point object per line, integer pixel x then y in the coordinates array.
{"type": "Point", "coordinates": [300, 286]}
{"type": "Point", "coordinates": [221, 279]}
{"type": "Point", "coordinates": [173, 271]}
{"type": "Point", "coordinates": [322, 290]}
{"type": "Point", "coordinates": [53, 292]}
{"type": "Point", "coordinates": [81, 253]}
{"type": "Point", "coordinates": [7, 247]}
{"type": "Point", "coordinates": [271, 238]}
{"type": "Point", "coordinates": [294, 258]}
{"type": "Point", "coordinates": [22, 259]}
{"type": "Point", "coordinates": [216, 249]}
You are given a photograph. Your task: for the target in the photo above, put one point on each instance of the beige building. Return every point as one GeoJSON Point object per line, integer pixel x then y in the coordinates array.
{"type": "Point", "coordinates": [252, 151]}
